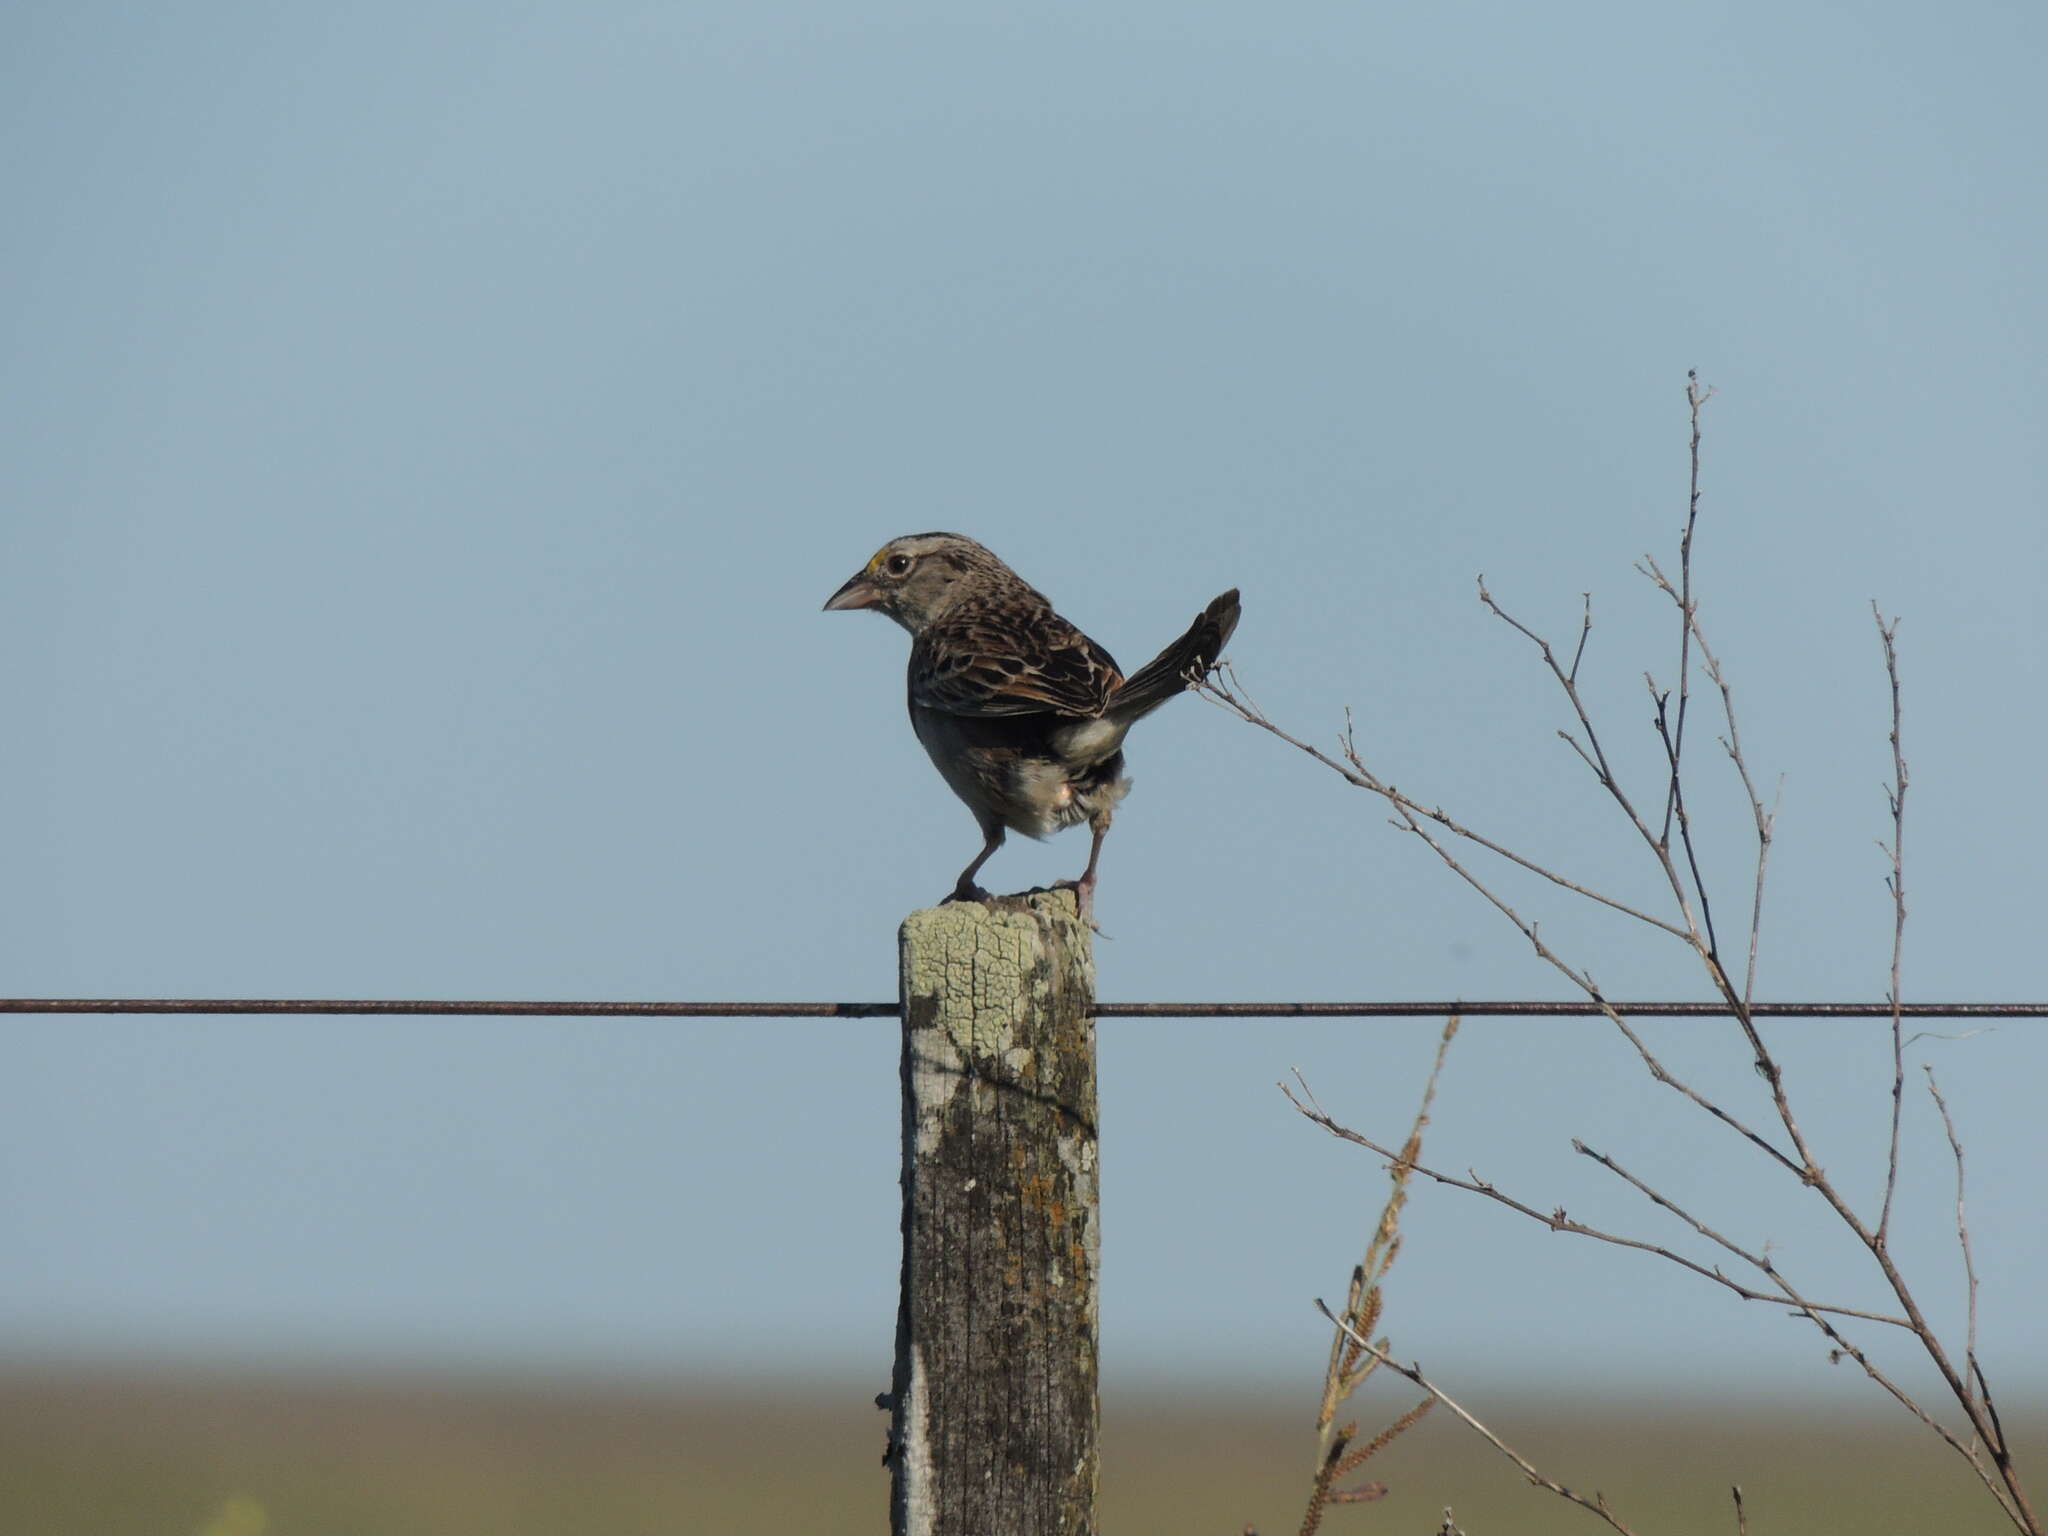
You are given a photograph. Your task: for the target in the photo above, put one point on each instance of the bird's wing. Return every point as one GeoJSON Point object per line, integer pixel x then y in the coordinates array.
{"type": "Point", "coordinates": [999, 661]}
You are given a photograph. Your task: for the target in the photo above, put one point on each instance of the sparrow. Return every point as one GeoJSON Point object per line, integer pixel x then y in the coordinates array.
{"type": "Point", "coordinates": [1022, 714]}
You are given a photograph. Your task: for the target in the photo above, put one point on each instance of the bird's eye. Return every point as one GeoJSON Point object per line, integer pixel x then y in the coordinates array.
{"type": "Point", "coordinates": [897, 565]}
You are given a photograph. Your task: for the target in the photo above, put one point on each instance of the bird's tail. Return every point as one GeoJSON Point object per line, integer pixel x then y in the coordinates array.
{"type": "Point", "coordinates": [1193, 654]}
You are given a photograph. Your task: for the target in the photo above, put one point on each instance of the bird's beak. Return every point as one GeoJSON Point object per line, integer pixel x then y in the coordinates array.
{"type": "Point", "coordinates": [858, 592]}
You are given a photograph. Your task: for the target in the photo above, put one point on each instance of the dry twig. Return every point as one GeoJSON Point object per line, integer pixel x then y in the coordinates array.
{"type": "Point", "coordinates": [1350, 1364]}
{"type": "Point", "coordinates": [1895, 798]}
{"type": "Point", "coordinates": [1597, 1504]}
{"type": "Point", "coordinates": [1672, 848]}
{"type": "Point", "coordinates": [1955, 1147]}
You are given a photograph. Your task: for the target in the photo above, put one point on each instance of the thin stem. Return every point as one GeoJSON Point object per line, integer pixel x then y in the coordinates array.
{"type": "Point", "coordinates": [1895, 797]}
{"type": "Point", "coordinates": [1235, 698]}
{"type": "Point", "coordinates": [1409, 815]}
{"type": "Point", "coordinates": [1558, 1221]}
{"type": "Point", "coordinates": [1695, 397]}
{"type": "Point", "coordinates": [1596, 1505]}
{"type": "Point", "coordinates": [2003, 1487]}
{"type": "Point", "coordinates": [1955, 1147]}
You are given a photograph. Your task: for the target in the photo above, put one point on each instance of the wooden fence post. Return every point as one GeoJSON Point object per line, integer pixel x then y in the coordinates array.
{"type": "Point", "coordinates": [993, 1408]}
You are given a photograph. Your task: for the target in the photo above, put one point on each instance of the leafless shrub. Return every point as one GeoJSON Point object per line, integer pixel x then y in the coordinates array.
{"type": "Point", "coordinates": [1662, 823]}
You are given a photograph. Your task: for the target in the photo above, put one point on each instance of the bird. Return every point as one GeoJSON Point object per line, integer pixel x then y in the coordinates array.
{"type": "Point", "coordinates": [1023, 715]}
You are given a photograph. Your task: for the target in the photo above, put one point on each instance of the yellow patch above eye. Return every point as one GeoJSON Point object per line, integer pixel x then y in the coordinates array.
{"type": "Point", "coordinates": [876, 563]}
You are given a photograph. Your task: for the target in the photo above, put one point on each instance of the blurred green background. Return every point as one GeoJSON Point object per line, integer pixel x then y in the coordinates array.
{"type": "Point", "coordinates": [87, 1453]}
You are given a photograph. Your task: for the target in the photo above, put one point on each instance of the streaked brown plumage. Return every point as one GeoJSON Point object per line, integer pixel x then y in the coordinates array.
{"type": "Point", "coordinates": [1023, 715]}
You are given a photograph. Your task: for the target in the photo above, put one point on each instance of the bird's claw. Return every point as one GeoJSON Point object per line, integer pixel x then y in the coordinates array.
{"type": "Point", "coordinates": [1084, 900]}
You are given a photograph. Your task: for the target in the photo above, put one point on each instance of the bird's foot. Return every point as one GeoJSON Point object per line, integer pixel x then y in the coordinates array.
{"type": "Point", "coordinates": [1084, 900]}
{"type": "Point", "coordinates": [967, 890]}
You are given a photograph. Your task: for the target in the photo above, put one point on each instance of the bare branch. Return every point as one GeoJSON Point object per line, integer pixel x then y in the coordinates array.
{"type": "Point", "coordinates": [1675, 796]}
{"type": "Point", "coordinates": [1672, 732]}
{"type": "Point", "coordinates": [1955, 1146]}
{"type": "Point", "coordinates": [1674, 847]}
{"type": "Point", "coordinates": [1349, 1364]}
{"type": "Point", "coordinates": [1410, 814]}
{"type": "Point", "coordinates": [1597, 1504]}
{"type": "Point", "coordinates": [1895, 797]}
{"type": "Point", "coordinates": [1559, 1221]}
{"type": "Point", "coordinates": [1765, 821]}
{"type": "Point", "coordinates": [1591, 751]}
{"type": "Point", "coordinates": [1702, 943]}
{"type": "Point", "coordinates": [1585, 630]}
{"type": "Point", "coordinates": [1811, 1311]}
{"type": "Point", "coordinates": [1236, 699]}
{"type": "Point", "coordinates": [1695, 398]}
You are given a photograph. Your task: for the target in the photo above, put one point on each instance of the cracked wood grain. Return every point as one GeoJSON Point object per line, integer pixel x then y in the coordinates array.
{"type": "Point", "coordinates": [993, 1407]}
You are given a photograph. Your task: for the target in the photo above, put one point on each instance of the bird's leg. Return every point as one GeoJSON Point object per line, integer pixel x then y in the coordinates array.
{"type": "Point", "coordinates": [1084, 888]}
{"type": "Point", "coordinates": [965, 889]}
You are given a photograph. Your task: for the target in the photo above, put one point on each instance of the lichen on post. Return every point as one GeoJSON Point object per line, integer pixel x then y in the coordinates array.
{"type": "Point", "coordinates": [993, 1422]}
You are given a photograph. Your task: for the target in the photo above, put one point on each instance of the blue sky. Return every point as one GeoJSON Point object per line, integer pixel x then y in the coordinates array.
{"type": "Point", "coordinates": [431, 432]}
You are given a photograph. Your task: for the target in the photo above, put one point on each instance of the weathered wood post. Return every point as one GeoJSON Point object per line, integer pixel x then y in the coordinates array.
{"type": "Point", "coordinates": [993, 1409]}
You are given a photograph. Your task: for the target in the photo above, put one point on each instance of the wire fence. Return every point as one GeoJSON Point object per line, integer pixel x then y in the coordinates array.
{"type": "Point", "coordinates": [1212, 1010]}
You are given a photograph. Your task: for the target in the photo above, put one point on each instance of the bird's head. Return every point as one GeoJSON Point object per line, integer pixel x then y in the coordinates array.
{"type": "Point", "coordinates": [917, 579]}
